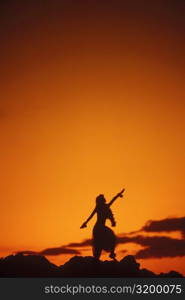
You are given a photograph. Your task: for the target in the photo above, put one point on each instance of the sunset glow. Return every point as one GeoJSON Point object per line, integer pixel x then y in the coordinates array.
{"type": "Point", "coordinates": [92, 100]}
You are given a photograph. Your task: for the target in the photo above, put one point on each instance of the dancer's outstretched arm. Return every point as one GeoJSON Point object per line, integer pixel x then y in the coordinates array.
{"type": "Point", "coordinates": [115, 197]}
{"type": "Point", "coordinates": [90, 217]}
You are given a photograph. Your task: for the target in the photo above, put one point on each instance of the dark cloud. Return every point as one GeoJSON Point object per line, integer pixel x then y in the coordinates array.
{"type": "Point", "coordinates": [58, 251]}
{"type": "Point", "coordinates": [84, 243]}
{"type": "Point", "coordinates": [153, 246]}
{"type": "Point", "coordinates": [156, 246]}
{"type": "Point", "coordinates": [52, 251]}
{"type": "Point", "coordinates": [27, 252]}
{"type": "Point", "coordinates": [166, 225]}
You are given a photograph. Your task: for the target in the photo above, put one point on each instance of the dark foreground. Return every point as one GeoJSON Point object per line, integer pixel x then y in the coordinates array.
{"type": "Point", "coordinates": [38, 266]}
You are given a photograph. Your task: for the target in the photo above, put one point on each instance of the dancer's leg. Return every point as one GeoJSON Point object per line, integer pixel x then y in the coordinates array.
{"type": "Point", "coordinates": [97, 252]}
{"type": "Point", "coordinates": [112, 254]}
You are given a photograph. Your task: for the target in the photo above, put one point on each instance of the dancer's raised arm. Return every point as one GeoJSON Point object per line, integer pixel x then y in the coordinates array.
{"type": "Point", "coordinates": [90, 217]}
{"type": "Point", "coordinates": [115, 197]}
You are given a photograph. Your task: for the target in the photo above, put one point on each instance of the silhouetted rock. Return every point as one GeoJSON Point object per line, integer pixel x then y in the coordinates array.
{"type": "Point", "coordinates": [147, 273]}
{"type": "Point", "coordinates": [38, 266]}
{"type": "Point", "coordinates": [129, 267]}
{"type": "Point", "coordinates": [81, 267]}
{"type": "Point", "coordinates": [27, 266]}
{"type": "Point", "coordinates": [171, 274]}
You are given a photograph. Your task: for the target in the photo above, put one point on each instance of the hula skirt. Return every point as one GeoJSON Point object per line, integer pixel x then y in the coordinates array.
{"type": "Point", "coordinates": [103, 238]}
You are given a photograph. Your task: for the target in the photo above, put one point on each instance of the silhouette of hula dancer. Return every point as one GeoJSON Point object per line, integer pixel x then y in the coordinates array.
{"type": "Point", "coordinates": [103, 237]}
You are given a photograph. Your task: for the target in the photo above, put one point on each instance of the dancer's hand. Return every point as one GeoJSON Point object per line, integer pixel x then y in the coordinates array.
{"type": "Point", "coordinates": [121, 193]}
{"type": "Point", "coordinates": [113, 224]}
{"type": "Point", "coordinates": [83, 225]}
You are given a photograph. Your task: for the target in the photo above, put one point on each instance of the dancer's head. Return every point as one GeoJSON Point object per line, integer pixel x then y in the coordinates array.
{"type": "Point", "coordinates": [100, 200]}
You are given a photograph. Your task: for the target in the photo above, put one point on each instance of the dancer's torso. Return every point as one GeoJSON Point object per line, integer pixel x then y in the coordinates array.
{"type": "Point", "coordinates": [102, 215]}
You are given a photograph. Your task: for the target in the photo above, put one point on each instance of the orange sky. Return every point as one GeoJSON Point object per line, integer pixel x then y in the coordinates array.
{"type": "Point", "coordinates": [92, 100]}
